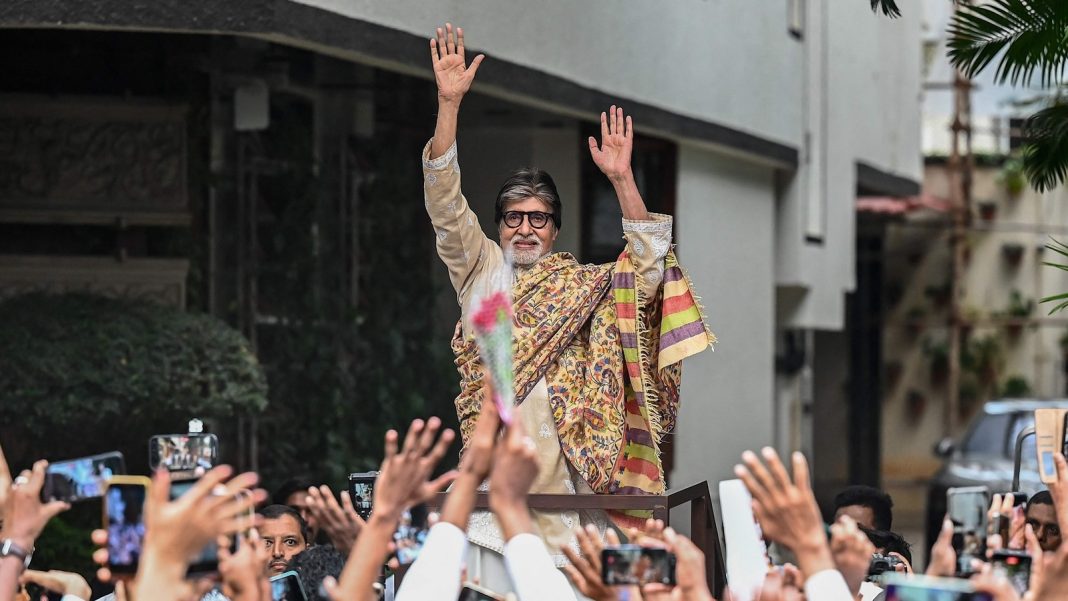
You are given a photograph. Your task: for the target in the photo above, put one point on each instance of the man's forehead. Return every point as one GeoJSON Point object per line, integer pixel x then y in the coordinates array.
{"type": "Point", "coordinates": [530, 203]}
{"type": "Point", "coordinates": [279, 526]}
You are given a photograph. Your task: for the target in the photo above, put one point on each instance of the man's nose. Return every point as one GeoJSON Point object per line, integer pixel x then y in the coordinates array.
{"type": "Point", "coordinates": [276, 551]}
{"type": "Point", "coordinates": [524, 226]}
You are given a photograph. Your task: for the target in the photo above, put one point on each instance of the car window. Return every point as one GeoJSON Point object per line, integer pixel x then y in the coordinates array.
{"type": "Point", "coordinates": [988, 436]}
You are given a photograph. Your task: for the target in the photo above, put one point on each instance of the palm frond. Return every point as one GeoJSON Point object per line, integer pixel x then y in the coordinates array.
{"type": "Point", "coordinates": [1045, 156]}
{"type": "Point", "coordinates": [1030, 36]}
{"type": "Point", "coordinates": [889, 8]}
{"type": "Point", "coordinates": [1062, 249]}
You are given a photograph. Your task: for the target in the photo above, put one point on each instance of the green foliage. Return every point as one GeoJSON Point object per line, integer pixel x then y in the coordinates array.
{"type": "Point", "coordinates": [82, 374]}
{"type": "Point", "coordinates": [982, 356]}
{"type": "Point", "coordinates": [69, 358]}
{"type": "Point", "coordinates": [889, 8]}
{"type": "Point", "coordinates": [1045, 156]}
{"type": "Point", "coordinates": [1012, 176]}
{"type": "Point", "coordinates": [1061, 299]}
{"type": "Point", "coordinates": [1018, 305]}
{"type": "Point", "coordinates": [1016, 387]}
{"type": "Point", "coordinates": [1029, 36]}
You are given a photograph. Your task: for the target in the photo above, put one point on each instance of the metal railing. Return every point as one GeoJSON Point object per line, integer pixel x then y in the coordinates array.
{"type": "Point", "coordinates": [703, 529]}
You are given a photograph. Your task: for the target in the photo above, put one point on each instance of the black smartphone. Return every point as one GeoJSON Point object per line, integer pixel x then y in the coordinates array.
{"type": "Point", "coordinates": [183, 452]}
{"type": "Point", "coordinates": [1015, 566]}
{"type": "Point", "coordinates": [207, 562]}
{"type": "Point", "coordinates": [967, 509]}
{"type": "Point", "coordinates": [124, 519]}
{"type": "Point", "coordinates": [411, 533]}
{"type": "Point", "coordinates": [632, 564]}
{"type": "Point", "coordinates": [901, 587]}
{"type": "Point", "coordinates": [362, 492]}
{"type": "Point", "coordinates": [79, 479]}
{"type": "Point", "coordinates": [287, 587]}
{"type": "Point", "coordinates": [473, 592]}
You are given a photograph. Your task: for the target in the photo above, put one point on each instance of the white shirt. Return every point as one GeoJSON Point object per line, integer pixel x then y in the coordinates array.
{"type": "Point", "coordinates": [531, 569]}
{"type": "Point", "coordinates": [828, 585]}
{"type": "Point", "coordinates": [435, 574]}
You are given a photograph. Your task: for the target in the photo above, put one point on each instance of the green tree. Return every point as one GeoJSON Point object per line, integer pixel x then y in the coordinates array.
{"type": "Point", "coordinates": [1028, 42]}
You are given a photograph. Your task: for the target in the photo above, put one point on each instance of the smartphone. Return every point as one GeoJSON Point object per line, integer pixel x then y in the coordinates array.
{"type": "Point", "coordinates": [967, 508]}
{"type": "Point", "coordinates": [1003, 523]}
{"type": "Point", "coordinates": [362, 492]}
{"type": "Point", "coordinates": [1049, 439]}
{"type": "Point", "coordinates": [287, 587]}
{"type": "Point", "coordinates": [124, 519]}
{"type": "Point", "coordinates": [207, 562]}
{"type": "Point", "coordinates": [411, 534]}
{"type": "Point", "coordinates": [1015, 566]}
{"type": "Point", "coordinates": [473, 592]}
{"type": "Point", "coordinates": [632, 564]}
{"type": "Point", "coordinates": [79, 479]}
{"type": "Point", "coordinates": [902, 587]}
{"type": "Point", "coordinates": [183, 452]}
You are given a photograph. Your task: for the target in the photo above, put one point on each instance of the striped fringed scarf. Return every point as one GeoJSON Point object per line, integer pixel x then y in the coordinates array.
{"type": "Point", "coordinates": [681, 333]}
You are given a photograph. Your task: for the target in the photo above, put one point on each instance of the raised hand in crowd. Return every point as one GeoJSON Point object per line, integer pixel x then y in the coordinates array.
{"type": "Point", "coordinates": [691, 582]}
{"type": "Point", "coordinates": [514, 470]}
{"type": "Point", "coordinates": [339, 521]}
{"type": "Point", "coordinates": [1051, 583]}
{"type": "Point", "coordinates": [63, 583]}
{"type": "Point", "coordinates": [475, 465]}
{"type": "Point", "coordinates": [403, 481]}
{"type": "Point", "coordinates": [243, 572]}
{"type": "Point", "coordinates": [786, 508]}
{"type": "Point", "coordinates": [943, 561]}
{"type": "Point", "coordinates": [852, 551]}
{"type": "Point", "coordinates": [585, 568]}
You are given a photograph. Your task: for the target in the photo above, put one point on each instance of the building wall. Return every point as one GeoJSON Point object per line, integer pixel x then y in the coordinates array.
{"type": "Point", "coordinates": [732, 62]}
{"type": "Point", "coordinates": [917, 258]}
{"type": "Point", "coordinates": [725, 244]}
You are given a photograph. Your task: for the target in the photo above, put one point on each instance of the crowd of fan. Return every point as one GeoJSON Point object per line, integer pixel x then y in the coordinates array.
{"type": "Point", "coordinates": [828, 565]}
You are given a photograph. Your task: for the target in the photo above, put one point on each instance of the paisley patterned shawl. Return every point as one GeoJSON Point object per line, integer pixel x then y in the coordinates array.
{"type": "Point", "coordinates": [585, 329]}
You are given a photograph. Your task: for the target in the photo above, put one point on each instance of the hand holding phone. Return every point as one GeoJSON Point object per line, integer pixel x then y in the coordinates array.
{"type": "Point", "coordinates": [1015, 566]}
{"type": "Point", "coordinates": [287, 587]}
{"type": "Point", "coordinates": [79, 479]}
{"type": "Point", "coordinates": [183, 452]}
{"type": "Point", "coordinates": [124, 519]}
{"type": "Point", "coordinates": [967, 509]}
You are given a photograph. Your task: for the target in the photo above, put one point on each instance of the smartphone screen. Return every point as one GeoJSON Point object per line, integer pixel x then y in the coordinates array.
{"type": "Point", "coordinates": [287, 587]}
{"type": "Point", "coordinates": [182, 452]}
{"type": "Point", "coordinates": [79, 479]}
{"type": "Point", "coordinates": [411, 533]}
{"type": "Point", "coordinates": [1015, 566]}
{"type": "Point", "coordinates": [124, 509]}
{"type": "Point", "coordinates": [967, 509]}
{"type": "Point", "coordinates": [208, 560]}
{"type": "Point", "coordinates": [362, 492]}
{"type": "Point", "coordinates": [631, 564]}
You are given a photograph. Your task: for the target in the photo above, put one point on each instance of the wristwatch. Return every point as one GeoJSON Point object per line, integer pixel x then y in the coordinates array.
{"type": "Point", "coordinates": [9, 548]}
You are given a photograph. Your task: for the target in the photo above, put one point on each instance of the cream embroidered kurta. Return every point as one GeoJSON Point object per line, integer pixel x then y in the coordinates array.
{"type": "Point", "coordinates": [476, 267]}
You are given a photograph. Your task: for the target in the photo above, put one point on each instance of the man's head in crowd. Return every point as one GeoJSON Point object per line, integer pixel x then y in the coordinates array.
{"type": "Point", "coordinates": [1042, 517]}
{"type": "Point", "coordinates": [285, 534]}
{"type": "Point", "coordinates": [315, 563]}
{"type": "Point", "coordinates": [527, 213]}
{"type": "Point", "coordinates": [887, 542]}
{"type": "Point", "coordinates": [294, 492]}
{"type": "Point", "coordinates": [870, 507]}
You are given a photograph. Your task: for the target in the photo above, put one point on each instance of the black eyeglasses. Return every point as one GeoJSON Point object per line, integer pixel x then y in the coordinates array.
{"type": "Point", "coordinates": [537, 219]}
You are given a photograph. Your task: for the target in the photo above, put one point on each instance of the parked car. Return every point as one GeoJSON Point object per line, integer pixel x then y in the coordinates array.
{"type": "Point", "coordinates": [985, 456]}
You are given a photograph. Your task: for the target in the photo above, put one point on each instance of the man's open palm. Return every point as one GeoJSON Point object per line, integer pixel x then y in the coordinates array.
{"type": "Point", "coordinates": [451, 72]}
{"type": "Point", "coordinates": [617, 141]}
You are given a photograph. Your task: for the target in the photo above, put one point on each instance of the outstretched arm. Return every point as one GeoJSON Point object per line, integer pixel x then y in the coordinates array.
{"type": "Point", "coordinates": [453, 78]}
{"type": "Point", "coordinates": [612, 157]}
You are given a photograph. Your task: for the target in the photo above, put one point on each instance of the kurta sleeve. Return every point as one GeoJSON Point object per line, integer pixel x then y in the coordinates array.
{"type": "Point", "coordinates": [648, 243]}
{"type": "Point", "coordinates": [461, 243]}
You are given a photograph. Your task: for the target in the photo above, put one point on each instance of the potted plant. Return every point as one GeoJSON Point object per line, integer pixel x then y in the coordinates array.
{"type": "Point", "coordinates": [938, 357]}
{"type": "Point", "coordinates": [1018, 311]}
{"type": "Point", "coordinates": [969, 315]}
{"type": "Point", "coordinates": [1012, 252]}
{"type": "Point", "coordinates": [1012, 177]}
{"type": "Point", "coordinates": [982, 356]}
{"type": "Point", "coordinates": [1016, 387]}
{"type": "Point", "coordinates": [939, 294]}
{"type": "Point", "coordinates": [988, 210]}
{"type": "Point", "coordinates": [914, 320]}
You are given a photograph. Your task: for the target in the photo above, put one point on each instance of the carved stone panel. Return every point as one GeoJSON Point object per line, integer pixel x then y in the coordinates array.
{"type": "Point", "coordinates": [158, 280]}
{"type": "Point", "coordinates": [92, 160]}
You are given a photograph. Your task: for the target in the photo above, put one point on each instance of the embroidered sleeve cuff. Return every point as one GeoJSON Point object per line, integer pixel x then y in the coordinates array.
{"type": "Point", "coordinates": [657, 224]}
{"type": "Point", "coordinates": [442, 161]}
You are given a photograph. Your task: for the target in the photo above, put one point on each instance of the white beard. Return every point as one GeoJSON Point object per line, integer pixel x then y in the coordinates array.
{"type": "Point", "coordinates": [527, 257]}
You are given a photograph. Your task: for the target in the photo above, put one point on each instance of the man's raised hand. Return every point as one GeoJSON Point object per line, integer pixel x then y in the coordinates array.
{"type": "Point", "coordinates": [612, 157]}
{"type": "Point", "coordinates": [451, 72]}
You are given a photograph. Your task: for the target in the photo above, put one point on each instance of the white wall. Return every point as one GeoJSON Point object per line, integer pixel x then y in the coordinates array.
{"type": "Point", "coordinates": [726, 244]}
{"type": "Point", "coordinates": [729, 61]}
